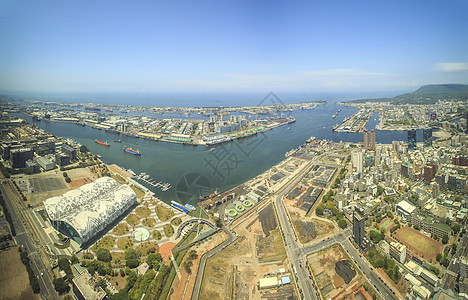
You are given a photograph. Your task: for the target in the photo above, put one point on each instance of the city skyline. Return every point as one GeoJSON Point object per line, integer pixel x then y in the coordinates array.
{"type": "Point", "coordinates": [231, 47]}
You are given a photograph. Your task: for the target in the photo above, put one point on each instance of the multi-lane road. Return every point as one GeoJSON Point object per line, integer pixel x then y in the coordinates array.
{"type": "Point", "coordinates": [298, 255]}
{"type": "Point", "coordinates": [23, 239]}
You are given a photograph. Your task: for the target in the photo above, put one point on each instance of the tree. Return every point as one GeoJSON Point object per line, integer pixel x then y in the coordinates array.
{"type": "Point", "coordinates": [342, 223]}
{"type": "Point", "coordinates": [219, 223]}
{"type": "Point", "coordinates": [380, 190]}
{"type": "Point", "coordinates": [67, 179]}
{"type": "Point", "coordinates": [103, 255]}
{"type": "Point", "coordinates": [456, 228]}
{"type": "Point", "coordinates": [154, 260]}
{"type": "Point", "coordinates": [74, 260]}
{"type": "Point", "coordinates": [60, 285]}
{"type": "Point", "coordinates": [438, 257]}
{"type": "Point", "coordinates": [454, 249]}
{"type": "Point", "coordinates": [131, 253]}
{"type": "Point", "coordinates": [84, 149]}
{"type": "Point", "coordinates": [132, 263]}
{"type": "Point", "coordinates": [445, 239]}
{"type": "Point", "coordinates": [319, 209]}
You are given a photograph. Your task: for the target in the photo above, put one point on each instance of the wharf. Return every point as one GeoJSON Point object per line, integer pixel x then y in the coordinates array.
{"type": "Point", "coordinates": [160, 185]}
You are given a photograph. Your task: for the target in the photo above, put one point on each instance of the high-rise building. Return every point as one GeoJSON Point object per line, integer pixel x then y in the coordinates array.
{"type": "Point", "coordinates": [369, 140]}
{"type": "Point", "coordinates": [357, 160]}
{"type": "Point", "coordinates": [358, 226]}
{"type": "Point", "coordinates": [427, 136]}
{"type": "Point", "coordinates": [18, 157]}
{"type": "Point", "coordinates": [411, 139]}
{"type": "Point", "coordinates": [429, 172]}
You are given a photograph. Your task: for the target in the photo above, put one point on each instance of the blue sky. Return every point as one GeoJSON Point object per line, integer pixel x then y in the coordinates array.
{"type": "Point", "coordinates": [231, 46]}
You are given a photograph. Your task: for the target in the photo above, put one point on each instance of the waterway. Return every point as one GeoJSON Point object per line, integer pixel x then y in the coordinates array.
{"type": "Point", "coordinates": [194, 171]}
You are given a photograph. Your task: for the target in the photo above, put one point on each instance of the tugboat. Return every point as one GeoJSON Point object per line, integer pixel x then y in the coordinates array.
{"type": "Point", "coordinates": [102, 143]}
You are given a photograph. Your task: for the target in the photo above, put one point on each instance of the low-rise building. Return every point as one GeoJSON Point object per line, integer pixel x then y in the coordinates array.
{"type": "Point", "coordinates": [404, 209]}
{"type": "Point", "coordinates": [270, 282]}
{"type": "Point", "coordinates": [430, 278]}
{"type": "Point", "coordinates": [45, 163]}
{"type": "Point", "coordinates": [86, 287]}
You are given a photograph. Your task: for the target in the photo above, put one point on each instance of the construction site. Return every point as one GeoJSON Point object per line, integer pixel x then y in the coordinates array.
{"type": "Point", "coordinates": [254, 266]}
{"type": "Point", "coordinates": [335, 275]}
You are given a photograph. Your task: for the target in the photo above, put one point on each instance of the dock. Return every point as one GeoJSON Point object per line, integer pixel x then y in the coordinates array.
{"type": "Point", "coordinates": [151, 182]}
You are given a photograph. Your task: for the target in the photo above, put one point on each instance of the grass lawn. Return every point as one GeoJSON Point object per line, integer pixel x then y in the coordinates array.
{"type": "Point", "coordinates": [168, 230]}
{"type": "Point", "coordinates": [119, 178]}
{"type": "Point", "coordinates": [418, 242]}
{"type": "Point", "coordinates": [149, 222]}
{"type": "Point", "coordinates": [120, 229]}
{"type": "Point", "coordinates": [146, 248]}
{"type": "Point", "coordinates": [157, 235]}
{"type": "Point", "coordinates": [143, 211]}
{"type": "Point", "coordinates": [176, 221]}
{"type": "Point", "coordinates": [106, 242]}
{"type": "Point", "coordinates": [118, 256]}
{"type": "Point", "coordinates": [139, 193]}
{"type": "Point", "coordinates": [132, 219]}
{"type": "Point", "coordinates": [125, 243]}
{"type": "Point", "coordinates": [164, 213]}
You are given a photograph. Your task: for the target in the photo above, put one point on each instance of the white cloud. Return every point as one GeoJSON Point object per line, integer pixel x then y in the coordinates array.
{"type": "Point", "coordinates": [452, 67]}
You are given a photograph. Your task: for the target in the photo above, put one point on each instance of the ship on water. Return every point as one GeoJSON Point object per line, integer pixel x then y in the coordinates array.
{"type": "Point", "coordinates": [102, 143]}
{"type": "Point", "coordinates": [131, 151]}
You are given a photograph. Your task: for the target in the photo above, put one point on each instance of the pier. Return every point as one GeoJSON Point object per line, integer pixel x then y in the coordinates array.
{"type": "Point", "coordinates": [159, 185]}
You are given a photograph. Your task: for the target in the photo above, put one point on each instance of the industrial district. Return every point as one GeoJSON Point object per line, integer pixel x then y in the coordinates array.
{"type": "Point", "coordinates": [331, 221]}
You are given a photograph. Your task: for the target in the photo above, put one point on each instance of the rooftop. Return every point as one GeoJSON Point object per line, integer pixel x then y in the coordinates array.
{"type": "Point", "coordinates": [406, 206]}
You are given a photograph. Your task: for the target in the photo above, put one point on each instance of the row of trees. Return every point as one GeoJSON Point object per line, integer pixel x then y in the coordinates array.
{"type": "Point", "coordinates": [32, 278]}
{"type": "Point", "coordinates": [387, 264]}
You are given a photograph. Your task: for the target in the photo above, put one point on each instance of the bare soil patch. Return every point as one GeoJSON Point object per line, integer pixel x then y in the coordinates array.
{"type": "Point", "coordinates": [334, 273]}
{"type": "Point", "coordinates": [310, 230]}
{"type": "Point", "coordinates": [267, 219]}
{"type": "Point", "coordinates": [166, 250]}
{"type": "Point", "coordinates": [14, 281]}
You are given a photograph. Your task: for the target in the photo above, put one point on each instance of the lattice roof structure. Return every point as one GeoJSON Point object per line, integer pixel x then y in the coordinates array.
{"type": "Point", "coordinates": [85, 211]}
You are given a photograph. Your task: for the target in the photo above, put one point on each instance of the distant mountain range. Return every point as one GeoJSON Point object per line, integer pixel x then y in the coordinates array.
{"type": "Point", "coordinates": [427, 94]}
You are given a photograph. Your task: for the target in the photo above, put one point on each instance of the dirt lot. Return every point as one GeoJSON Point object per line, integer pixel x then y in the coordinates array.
{"type": "Point", "coordinates": [14, 282]}
{"type": "Point", "coordinates": [236, 271]}
{"type": "Point", "coordinates": [418, 242]}
{"type": "Point", "coordinates": [310, 230]}
{"type": "Point", "coordinates": [334, 273]}
{"type": "Point", "coordinates": [306, 228]}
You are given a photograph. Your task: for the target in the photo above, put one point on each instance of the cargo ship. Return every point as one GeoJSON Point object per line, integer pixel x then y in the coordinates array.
{"type": "Point", "coordinates": [131, 151]}
{"type": "Point", "coordinates": [102, 143]}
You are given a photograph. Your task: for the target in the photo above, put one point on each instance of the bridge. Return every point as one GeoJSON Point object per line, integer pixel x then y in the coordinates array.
{"type": "Point", "coordinates": [191, 221]}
